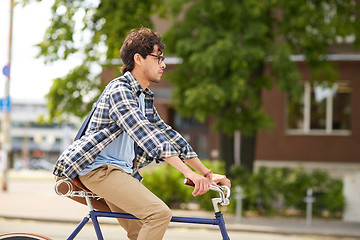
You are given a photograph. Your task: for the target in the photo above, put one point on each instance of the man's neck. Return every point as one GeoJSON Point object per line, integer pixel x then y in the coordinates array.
{"type": "Point", "coordinates": [141, 80]}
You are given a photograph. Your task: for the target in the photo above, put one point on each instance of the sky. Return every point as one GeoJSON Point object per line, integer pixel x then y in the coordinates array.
{"type": "Point", "coordinates": [30, 78]}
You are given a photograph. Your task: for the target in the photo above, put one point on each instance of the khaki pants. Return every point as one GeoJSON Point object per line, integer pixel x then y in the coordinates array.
{"type": "Point", "coordinates": [123, 193]}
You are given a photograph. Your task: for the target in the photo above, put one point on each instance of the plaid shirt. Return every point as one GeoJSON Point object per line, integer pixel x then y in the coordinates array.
{"type": "Point", "coordinates": [118, 111]}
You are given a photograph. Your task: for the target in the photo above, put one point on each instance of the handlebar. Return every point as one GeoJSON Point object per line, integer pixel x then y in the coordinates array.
{"type": "Point", "coordinates": [224, 192]}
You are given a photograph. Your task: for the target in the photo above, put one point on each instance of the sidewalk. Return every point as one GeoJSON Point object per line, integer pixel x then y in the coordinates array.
{"type": "Point", "coordinates": [35, 199]}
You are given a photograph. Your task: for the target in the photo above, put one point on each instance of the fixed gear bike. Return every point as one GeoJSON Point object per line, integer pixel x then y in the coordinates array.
{"type": "Point", "coordinates": [223, 200]}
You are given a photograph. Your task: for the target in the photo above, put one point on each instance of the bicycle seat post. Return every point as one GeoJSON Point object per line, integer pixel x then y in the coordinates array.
{"type": "Point", "coordinates": [88, 202]}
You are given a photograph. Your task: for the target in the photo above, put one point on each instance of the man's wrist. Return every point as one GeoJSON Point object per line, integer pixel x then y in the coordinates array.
{"type": "Point", "coordinates": [208, 174]}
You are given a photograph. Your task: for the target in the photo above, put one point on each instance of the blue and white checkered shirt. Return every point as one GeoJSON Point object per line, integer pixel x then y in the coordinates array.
{"type": "Point", "coordinates": [118, 111]}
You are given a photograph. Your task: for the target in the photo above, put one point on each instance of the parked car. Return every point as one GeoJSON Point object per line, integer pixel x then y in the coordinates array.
{"type": "Point", "coordinates": [41, 164]}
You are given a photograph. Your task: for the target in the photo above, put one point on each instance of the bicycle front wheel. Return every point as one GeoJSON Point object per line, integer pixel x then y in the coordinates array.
{"type": "Point", "coordinates": [22, 236]}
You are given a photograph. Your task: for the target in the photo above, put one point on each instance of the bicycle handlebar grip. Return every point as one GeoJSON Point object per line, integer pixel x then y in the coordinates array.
{"type": "Point", "coordinates": [188, 182]}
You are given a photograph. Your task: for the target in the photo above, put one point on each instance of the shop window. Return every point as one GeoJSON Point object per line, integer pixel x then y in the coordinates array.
{"type": "Point", "coordinates": [320, 110]}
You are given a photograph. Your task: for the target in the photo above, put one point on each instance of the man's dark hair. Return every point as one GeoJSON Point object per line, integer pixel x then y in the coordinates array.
{"type": "Point", "coordinates": [140, 41]}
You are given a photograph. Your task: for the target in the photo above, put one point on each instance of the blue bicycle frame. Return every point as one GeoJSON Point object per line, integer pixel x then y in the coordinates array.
{"type": "Point", "coordinates": [94, 214]}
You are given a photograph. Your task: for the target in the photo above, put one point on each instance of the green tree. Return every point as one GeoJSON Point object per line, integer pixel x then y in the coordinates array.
{"type": "Point", "coordinates": [93, 31]}
{"type": "Point", "coordinates": [225, 46]}
{"type": "Point", "coordinates": [231, 50]}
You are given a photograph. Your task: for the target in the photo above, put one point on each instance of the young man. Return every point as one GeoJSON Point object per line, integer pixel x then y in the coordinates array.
{"type": "Point", "coordinates": [126, 133]}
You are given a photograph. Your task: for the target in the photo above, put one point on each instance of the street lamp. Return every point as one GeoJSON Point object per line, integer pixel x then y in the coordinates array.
{"type": "Point", "coordinates": [5, 125]}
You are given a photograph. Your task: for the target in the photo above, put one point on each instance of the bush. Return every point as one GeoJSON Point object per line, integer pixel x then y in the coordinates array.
{"type": "Point", "coordinates": [274, 190]}
{"type": "Point", "coordinates": [167, 183]}
{"type": "Point", "coordinates": [268, 191]}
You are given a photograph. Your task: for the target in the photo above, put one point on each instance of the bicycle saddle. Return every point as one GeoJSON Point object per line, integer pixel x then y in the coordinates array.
{"type": "Point", "coordinates": [76, 181]}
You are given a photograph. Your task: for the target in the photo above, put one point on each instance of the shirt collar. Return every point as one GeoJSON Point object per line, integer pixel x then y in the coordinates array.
{"type": "Point", "coordinates": [135, 86]}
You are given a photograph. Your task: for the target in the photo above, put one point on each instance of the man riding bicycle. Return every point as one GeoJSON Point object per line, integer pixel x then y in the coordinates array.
{"type": "Point", "coordinates": [125, 133]}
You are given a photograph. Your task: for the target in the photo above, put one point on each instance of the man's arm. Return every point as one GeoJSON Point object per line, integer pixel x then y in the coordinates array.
{"type": "Point", "coordinates": [190, 157]}
{"type": "Point", "coordinates": [201, 183]}
{"type": "Point", "coordinates": [203, 170]}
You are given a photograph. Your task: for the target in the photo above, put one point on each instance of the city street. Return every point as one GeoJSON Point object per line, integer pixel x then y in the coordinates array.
{"type": "Point", "coordinates": [31, 205]}
{"type": "Point", "coordinates": [264, 92]}
{"type": "Point", "coordinates": [59, 231]}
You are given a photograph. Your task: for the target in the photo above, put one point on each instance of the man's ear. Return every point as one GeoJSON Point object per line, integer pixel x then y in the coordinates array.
{"type": "Point", "coordinates": [138, 59]}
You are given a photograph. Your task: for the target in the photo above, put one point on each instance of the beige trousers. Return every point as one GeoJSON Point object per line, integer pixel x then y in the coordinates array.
{"type": "Point", "coordinates": [123, 193]}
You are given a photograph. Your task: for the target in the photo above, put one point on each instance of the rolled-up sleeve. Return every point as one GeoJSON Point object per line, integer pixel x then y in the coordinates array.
{"type": "Point", "coordinates": [124, 111]}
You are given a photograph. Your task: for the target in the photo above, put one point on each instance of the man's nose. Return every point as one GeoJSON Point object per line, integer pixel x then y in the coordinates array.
{"type": "Point", "coordinates": [163, 65]}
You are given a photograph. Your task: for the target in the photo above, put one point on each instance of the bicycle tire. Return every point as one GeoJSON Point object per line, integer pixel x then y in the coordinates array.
{"type": "Point", "coordinates": [22, 236]}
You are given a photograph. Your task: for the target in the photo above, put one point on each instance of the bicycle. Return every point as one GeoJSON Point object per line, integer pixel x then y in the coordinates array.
{"type": "Point", "coordinates": [224, 199]}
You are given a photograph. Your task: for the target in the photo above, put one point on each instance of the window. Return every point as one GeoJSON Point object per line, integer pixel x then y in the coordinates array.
{"type": "Point", "coordinates": [195, 133]}
{"type": "Point", "coordinates": [184, 123]}
{"type": "Point", "coordinates": [320, 110]}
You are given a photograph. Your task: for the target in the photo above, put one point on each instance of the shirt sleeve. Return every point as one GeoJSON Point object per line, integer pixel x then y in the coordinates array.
{"type": "Point", "coordinates": [124, 110]}
{"type": "Point", "coordinates": [185, 151]}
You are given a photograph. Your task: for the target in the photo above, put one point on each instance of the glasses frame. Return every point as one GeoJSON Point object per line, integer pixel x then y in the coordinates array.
{"type": "Point", "coordinates": [159, 57]}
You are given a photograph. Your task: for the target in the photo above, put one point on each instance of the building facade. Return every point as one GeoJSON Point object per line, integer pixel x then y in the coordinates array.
{"type": "Point", "coordinates": [31, 140]}
{"type": "Point", "coordinates": [318, 129]}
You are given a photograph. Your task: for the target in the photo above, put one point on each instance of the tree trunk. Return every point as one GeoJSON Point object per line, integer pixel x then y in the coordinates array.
{"type": "Point", "coordinates": [226, 146]}
{"type": "Point", "coordinates": [248, 143]}
{"type": "Point", "coordinates": [247, 151]}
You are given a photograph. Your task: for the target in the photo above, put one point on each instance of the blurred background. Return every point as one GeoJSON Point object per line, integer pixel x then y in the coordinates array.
{"type": "Point", "coordinates": [265, 91]}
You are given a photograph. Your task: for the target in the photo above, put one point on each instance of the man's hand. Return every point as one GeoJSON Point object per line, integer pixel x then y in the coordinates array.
{"type": "Point", "coordinates": [213, 178]}
{"type": "Point", "coordinates": [201, 183]}
{"type": "Point", "coordinates": [217, 178]}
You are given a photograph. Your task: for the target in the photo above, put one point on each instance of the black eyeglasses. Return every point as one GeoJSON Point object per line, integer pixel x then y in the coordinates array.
{"type": "Point", "coordinates": [160, 58]}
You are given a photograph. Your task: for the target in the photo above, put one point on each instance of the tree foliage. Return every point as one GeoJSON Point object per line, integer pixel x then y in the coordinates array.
{"type": "Point", "coordinates": [231, 51]}
{"type": "Point", "coordinates": [226, 45]}
{"type": "Point", "coordinates": [93, 31]}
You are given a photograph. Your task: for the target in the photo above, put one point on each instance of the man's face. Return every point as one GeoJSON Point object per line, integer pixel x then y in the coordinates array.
{"type": "Point", "coordinates": [154, 65]}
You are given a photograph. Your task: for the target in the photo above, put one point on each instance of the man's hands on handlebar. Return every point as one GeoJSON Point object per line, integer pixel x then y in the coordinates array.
{"type": "Point", "coordinates": [220, 179]}
{"type": "Point", "coordinates": [202, 183]}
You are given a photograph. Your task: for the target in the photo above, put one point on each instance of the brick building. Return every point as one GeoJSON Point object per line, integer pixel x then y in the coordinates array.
{"type": "Point", "coordinates": [321, 130]}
